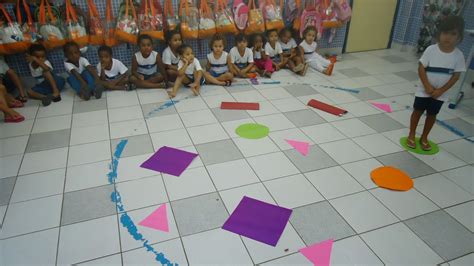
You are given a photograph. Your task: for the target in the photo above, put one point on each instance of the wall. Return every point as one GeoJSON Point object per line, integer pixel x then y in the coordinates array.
{"type": "Point", "coordinates": [124, 52]}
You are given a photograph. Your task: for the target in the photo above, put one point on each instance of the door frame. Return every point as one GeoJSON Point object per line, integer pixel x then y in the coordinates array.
{"type": "Point", "coordinates": [394, 22]}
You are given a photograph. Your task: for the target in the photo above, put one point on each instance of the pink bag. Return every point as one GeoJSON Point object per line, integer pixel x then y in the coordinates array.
{"type": "Point", "coordinates": [343, 10]}
{"type": "Point", "coordinates": [241, 12]}
{"type": "Point", "coordinates": [311, 16]}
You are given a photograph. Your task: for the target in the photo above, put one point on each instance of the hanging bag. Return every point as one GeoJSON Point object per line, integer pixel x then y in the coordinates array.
{"type": "Point", "coordinates": [171, 19]}
{"type": "Point", "coordinates": [272, 15]}
{"type": "Point", "coordinates": [109, 37]}
{"type": "Point", "coordinates": [343, 10]}
{"type": "Point", "coordinates": [241, 14]}
{"type": "Point", "coordinates": [296, 15]}
{"type": "Point", "coordinates": [12, 39]}
{"type": "Point", "coordinates": [96, 28]}
{"type": "Point", "coordinates": [255, 21]}
{"type": "Point", "coordinates": [189, 16]}
{"type": "Point", "coordinates": [311, 16]}
{"type": "Point", "coordinates": [76, 31]}
{"type": "Point", "coordinates": [28, 27]}
{"type": "Point", "coordinates": [151, 19]}
{"type": "Point", "coordinates": [207, 26]}
{"type": "Point", "coordinates": [224, 21]}
{"type": "Point", "coordinates": [50, 27]}
{"type": "Point", "coordinates": [127, 28]}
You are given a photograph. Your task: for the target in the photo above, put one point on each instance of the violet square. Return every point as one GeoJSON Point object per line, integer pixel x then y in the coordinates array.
{"type": "Point", "coordinates": [258, 220]}
{"type": "Point", "coordinates": [169, 160]}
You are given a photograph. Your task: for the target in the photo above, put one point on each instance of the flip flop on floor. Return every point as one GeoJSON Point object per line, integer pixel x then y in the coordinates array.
{"type": "Point", "coordinates": [411, 143]}
{"type": "Point", "coordinates": [16, 104]}
{"type": "Point", "coordinates": [17, 119]}
{"type": "Point", "coordinates": [425, 146]}
{"type": "Point", "coordinates": [228, 83]}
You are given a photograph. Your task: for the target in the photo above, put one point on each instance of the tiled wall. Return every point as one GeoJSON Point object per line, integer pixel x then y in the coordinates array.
{"type": "Point", "coordinates": [124, 52]}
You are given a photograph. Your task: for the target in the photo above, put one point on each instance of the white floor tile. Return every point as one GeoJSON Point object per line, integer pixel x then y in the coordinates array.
{"type": "Point", "coordinates": [353, 128]}
{"type": "Point", "coordinates": [441, 191]}
{"type": "Point", "coordinates": [339, 97]}
{"type": "Point", "coordinates": [89, 153]}
{"type": "Point", "coordinates": [361, 171]}
{"type": "Point", "coordinates": [87, 176]}
{"type": "Point", "coordinates": [232, 174]}
{"type": "Point", "coordinates": [129, 168]}
{"type": "Point", "coordinates": [359, 109]}
{"type": "Point", "coordinates": [409, 248]}
{"type": "Point", "coordinates": [207, 133]}
{"type": "Point", "coordinates": [232, 197]}
{"type": "Point", "coordinates": [81, 135]}
{"type": "Point", "coordinates": [122, 100]}
{"type": "Point", "coordinates": [198, 118]}
{"type": "Point", "coordinates": [152, 96]}
{"type": "Point", "coordinates": [162, 123]}
{"type": "Point", "coordinates": [353, 251]}
{"type": "Point", "coordinates": [13, 146]}
{"type": "Point", "coordinates": [191, 104]}
{"type": "Point", "coordinates": [23, 217]}
{"type": "Point", "coordinates": [64, 107]}
{"type": "Point", "coordinates": [463, 213]}
{"type": "Point", "coordinates": [230, 126]}
{"type": "Point", "coordinates": [441, 161]}
{"type": "Point", "coordinates": [377, 144]}
{"type": "Point", "coordinates": [128, 128]}
{"type": "Point", "coordinates": [293, 259]}
{"type": "Point", "coordinates": [293, 191]}
{"type": "Point", "coordinates": [323, 133]}
{"type": "Point", "coordinates": [288, 105]}
{"type": "Point", "coordinates": [142, 192]}
{"type": "Point", "coordinates": [18, 129]}
{"type": "Point", "coordinates": [52, 123]}
{"type": "Point", "coordinates": [248, 96]}
{"type": "Point", "coordinates": [90, 118]}
{"type": "Point", "coordinates": [43, 161]}
{"type": "Point", "coordinates": [280, 137]}
{"type": "Point", "coordinates": [32, 249]}
{"type": "Point", "coordinates": [344, 151]}
{"type": "Point", "coordinates": [460, 149]}
{"type": "Point", "coordinates": [125, 113]}
{"type": "Point", "coordinates": [275, 93]}
{"type": "Point", "coordinates": [363, 212]}
{"type": "Point", "coordinates": [172, 249]}
{"type": "Point", "coordinates": [113, 260]}
{"type": "Point", "coordinates": [88, 240]}
{"type": "Point", "coordinates": [38, 185]}
{"type": "Point", "coordinates": [273, 165]}
{"type": "Point", "coordinates": [462, 176]}
{"type": "Point", "coordinates": [9, 165]}
{"type": "Point", "coordinates": [333, 182]}
{"type": "Point", "coordinates": [275, 122]}
{"type": "Point", "coordinates": [216, 247]}
{"type": "Point", "coordinates": [172, 138]}
{"type": "Point", "coordinates": [266, 108]}
{"type": "Point", "coordinates": [252, 147]}
{"type": "Point", "coordinates": [214, 101]}
{"type": "Point", "coordinates": [192, 182]}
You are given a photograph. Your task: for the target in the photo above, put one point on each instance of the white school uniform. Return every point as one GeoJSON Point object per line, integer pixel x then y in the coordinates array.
{"type": "Point", "coordinates": [194, 66]}
{"type": "Point", "coordinates": [286, 47]}
{"type": "Point", "coordinates": [117, 69]}
{"type": "Point", "coordinates": [146, 66]}
{"type": "Point", "coordinates": [169, 58]}
{"type": "Point", "coordinates": [257, 55]}
{"type": "Point", "coordinates": [273, 52]}
{"type": "Point", "coordinates": [314, 60]}
{"type": "Point", "coordinates": [239, 60]}
{"type": "Point", "coordinates": [440, 67]}
{"type": "Point", "coordinates": [37, 73]}
{"type": "Point", "coordinates": [83, 64]}
{"type": "Point", "coordinates": [218, 65]}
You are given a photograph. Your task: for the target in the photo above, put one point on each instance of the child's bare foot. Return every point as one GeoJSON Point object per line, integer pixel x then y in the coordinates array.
{"type": "Point", "coordinates": [172, 94]}
{"type": "Point", "coordinates": [298, 68]}
{"type": "Point", "coordinates": [267, 74]}
{"type": "Point", "coordinates": [305, 69]}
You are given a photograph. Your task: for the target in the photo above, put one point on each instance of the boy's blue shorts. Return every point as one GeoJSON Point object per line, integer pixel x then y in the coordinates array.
{"type": "Point", "coordinates": [432, 106]}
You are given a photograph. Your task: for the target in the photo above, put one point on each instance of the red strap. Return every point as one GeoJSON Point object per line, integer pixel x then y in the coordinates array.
{"type": "Point", "coordinates": [5, 12]}
{"type": "Point", "coordinates": [108, 11]}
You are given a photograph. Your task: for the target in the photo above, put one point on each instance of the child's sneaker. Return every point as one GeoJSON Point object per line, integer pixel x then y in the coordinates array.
{"type": "Point", "coordinates": [99, 89]}
{"type": "Point", "coordinates": [56, 99]}
{"type": "Point", "coordinates": [45, 101]}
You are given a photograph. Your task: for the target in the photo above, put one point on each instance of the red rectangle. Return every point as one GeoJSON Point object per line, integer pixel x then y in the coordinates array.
{"type": "Point", "coordinates": [326, 107]}
{"type": "Point", "coordinates": [240, 106]}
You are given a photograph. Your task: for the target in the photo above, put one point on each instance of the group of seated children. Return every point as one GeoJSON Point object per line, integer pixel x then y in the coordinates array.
{"type": "Point", "coordinates": [177, 67]}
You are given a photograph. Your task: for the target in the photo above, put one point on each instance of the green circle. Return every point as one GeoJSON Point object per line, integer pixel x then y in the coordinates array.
{"type": "Point", "coordinates": [419, 150]}
{"type": "Point", "coordinates": [252, 131]}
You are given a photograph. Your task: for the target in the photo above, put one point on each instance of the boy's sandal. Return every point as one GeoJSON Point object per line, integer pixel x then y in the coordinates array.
{"type": "Point", "coordinates": [425, 146]}
{"type": "Point", "coordinates": [228, 83]}
{"type": "Point", "coordinates": [411, 143]}
{"type": "Point", "coordinates": [45, 101]}
{"type": "Point", "coordinates": [22, 99]}
{"type": "Point", "coordinates": [56, 99]}
{"type": "Point", "coordinates": [99, 89]}
{"type": "Point", "coordinates": [17, 119]}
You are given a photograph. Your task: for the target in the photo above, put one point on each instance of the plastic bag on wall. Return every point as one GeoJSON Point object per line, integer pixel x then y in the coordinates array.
{"type": "Point", "coordinates": [189, 16]}
{"type": "Point", "coordinates": [75, 27]}
{"type": "Point", "coordinates": [96, 28]}
{"type": "Point", "coordinates": [224, 21]}
{"type": "Point", "coordinates": [12, 39]}
{"type": "Point", "coordinates": [272, 14]}
{"type": "Point", "coordinates": [255, 21]}
{"type": "Point", "coordinates": [207, 26]}
{"type": "Point", "coordinates": [127, 23]}
{"type": "Point", "coordinates": [172, 20]}
{"type": "Point", "coordinates": [50, 26]}
{"type": "Point", "coordinates": [150, 19]}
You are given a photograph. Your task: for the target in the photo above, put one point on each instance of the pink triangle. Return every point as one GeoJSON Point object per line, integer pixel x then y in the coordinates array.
{"type": "Point", "coordinates": [301, 146]}
{"type": "Point", "coordinates": [383, 106]}
{"type": "Point", "coordinates": [157, 220]}
{"type": "Point", "coordinates": [319, 254]}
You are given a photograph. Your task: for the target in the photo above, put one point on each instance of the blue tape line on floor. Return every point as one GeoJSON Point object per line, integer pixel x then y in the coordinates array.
{"type": "Point", "coordinates": [166, 105]}
{"type": "Point", "coordinates": [125, 219]}
{"type": "Point", "coordinates": [295, 83]}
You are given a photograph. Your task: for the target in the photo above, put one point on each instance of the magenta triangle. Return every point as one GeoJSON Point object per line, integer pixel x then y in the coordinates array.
{"type": "Point", "coordinates": [319, 254]}
{"type": "Point", "coordinates": [383, 106]}
{"type": "Point", "coordinates": [301, 146]}
{"type": "Point", "coordinates": [157, 220]}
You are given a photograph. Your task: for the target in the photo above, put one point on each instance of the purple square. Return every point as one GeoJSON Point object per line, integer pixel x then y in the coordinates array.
{"type": "Point", "coordinates": [258, 220]}
{"type": "Point", "coordinates": [169, 160]}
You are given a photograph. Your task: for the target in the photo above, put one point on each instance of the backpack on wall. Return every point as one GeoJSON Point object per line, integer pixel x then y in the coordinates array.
{"type": "Point", "coordinates": [255, 21]}
{"type": "Point", "coordinates": [241, 11]}
{"type": "Point", "coordinates": [311, 16]}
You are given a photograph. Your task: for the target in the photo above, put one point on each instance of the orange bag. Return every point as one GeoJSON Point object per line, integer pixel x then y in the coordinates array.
{"type": "Point", "coordinates": [150, 19]}
{"type": "Point", "coordinates": [75, 30]}
{"type": "Point", "coordinates": [207, 26]}
{"type": "Point", "coordinates": [12, 41]}
{"type": "Point", "coordinates": [127, 28]}
{"type": "Point", "coordinates": [224, 19]}
{"type": "Point", "coordinates": [272, 14]}
{"type": "Point", "coordinates": [53, 37]}
{"type": "Point", "coordinates": [189, 20]}
{"type": "Point", "coordinates": [171, 19]}
{"type": "Point", "coordinates": [110, 39]}
{"type": "Point", "coordinates": [29, 26]}
{"type": "Point", "coordinates": [297, 21]}
{"type": "Point", "coordinates": [255, 21]}
{"type": "Point", "coordinates": [96, 28]}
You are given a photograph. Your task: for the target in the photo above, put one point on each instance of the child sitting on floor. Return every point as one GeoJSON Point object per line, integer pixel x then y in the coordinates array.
{"type": "Point", "coordinates": [241, 58]}
{"type": "Point", "coordinates": [218, 62]}
{"type": "Point", "coordinates": [145, 64]}
{"type": "Point", "coordinates": [10, 79]}
{"type": "Point", "coordinates": [262, 61]}
{"type": "Point", "coordinates": [48, 85]}
{"type": "Point", "coordinates": [291, 53]}
{"type": "Point", "coordinates": [83, 76]}
{"type": "Point", "coordinates": [274, 51]}
{"type": "Point", "coordinates": [308, 48]}
{"type": "Point", "coordinates": [439, 69]}
{"type": "Point", "coordinates": [112, 72]}
{"type": "Point", "coordinates": [170, 54]}
{"type": "Point", "coordinates": [189, 71]}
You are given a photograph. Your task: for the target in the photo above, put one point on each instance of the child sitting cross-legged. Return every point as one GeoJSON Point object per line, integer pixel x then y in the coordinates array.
{"type": "Point", "coordinates": [145, 65]}
{"type": "Point", "coordinates": [241, 58]}
{"type": "Point", "coordinates": [292, 53]}
{"type": "Point", "coordinates": [218, 62]}
{"type": "Point", "coordinates": [189, 71]}
{"type": "Point", "coordinates": [112, 72]}
{"type": "Point", "coordinates": [170, 54]}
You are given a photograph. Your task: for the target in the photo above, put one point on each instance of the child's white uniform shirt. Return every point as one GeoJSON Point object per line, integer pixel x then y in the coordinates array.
{"type": "Point", "coordinates": [83, 63]}
{"type": "Point", "coordinates": [194, 66]}
{"type": "Point", "coordinates": [286, 47]}
{"type": "Point", "coordinates": [272, 52]}
{"type": "Point", "coordinates": [219, 65]}
{"type": "Point", "coordinates": [146, 66]}
{"type": "Point", "coordinates": [309, 49]}
{"type": "Point", "coordinates": [117, 69]}
{"type": "Point", "coordinates": [440, 67]}
{"type": "Point", "coordinates": [239, 60]}
{"type": "Point", "coordinates": [169, 58]}
{"type": "Point", "coordinates": [37, 73]}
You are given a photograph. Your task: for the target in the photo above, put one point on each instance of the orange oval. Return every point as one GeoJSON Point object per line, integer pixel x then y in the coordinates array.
{"type": "Point", "coordinates": [391, 178]}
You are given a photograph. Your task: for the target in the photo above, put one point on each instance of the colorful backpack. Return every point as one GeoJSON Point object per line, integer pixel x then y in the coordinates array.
{"type": "Point", "coordinates": [311, 16]}
{"type": "Point", "coordinates": [224, 19]}
{"type": "Point", "coordinates": [241, 11]}
{"type": "Point", "coordinates": [172, 20]}
{"type": "Point", "coordinates": [291, 11]}
{"type": "Point", "coordinates": [75, 25]}
{"type": "Point", "coordinates": [343, 10]}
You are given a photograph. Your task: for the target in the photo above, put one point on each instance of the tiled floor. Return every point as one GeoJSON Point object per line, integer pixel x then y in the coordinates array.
{"type": "Point", "coordinates": [55, 198]}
